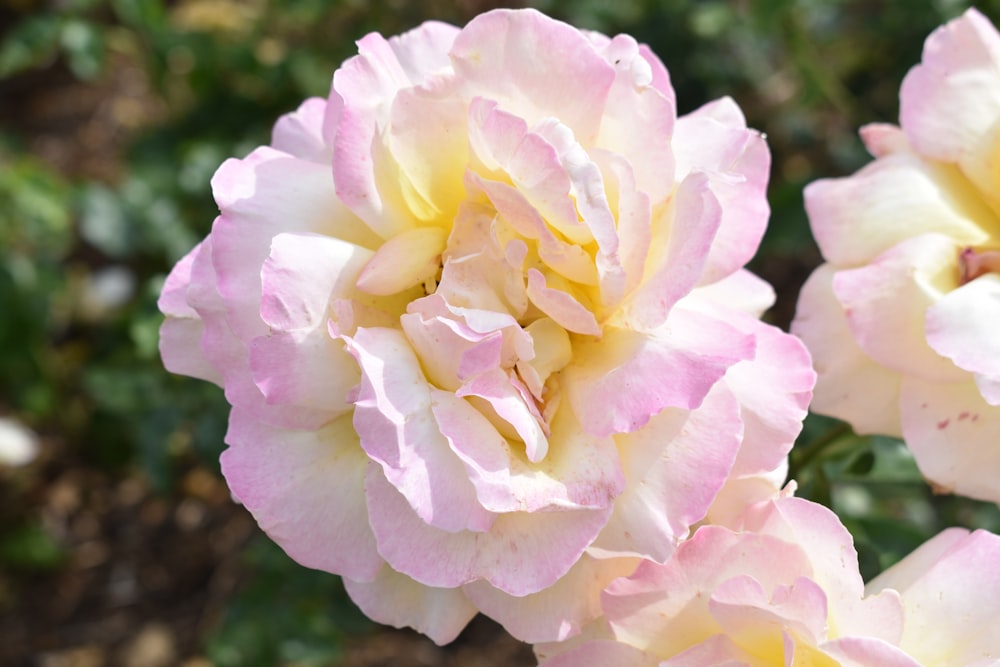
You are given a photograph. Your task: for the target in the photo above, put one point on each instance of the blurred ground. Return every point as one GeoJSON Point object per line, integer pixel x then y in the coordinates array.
{"type": "Point", "coordinates": [148, 578]}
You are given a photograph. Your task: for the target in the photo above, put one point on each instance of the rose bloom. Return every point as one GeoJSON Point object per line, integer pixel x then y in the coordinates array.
{"type": "Point", "coordinates": [902, 321]}
{"type": "Point", "coordinates": [482, 319]}
{"type": "Point", "coordinates": [784, 590]}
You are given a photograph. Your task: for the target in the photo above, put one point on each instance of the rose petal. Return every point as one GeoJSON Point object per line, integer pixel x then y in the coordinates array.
{"type": "Point", "coordinates": [300, 133]}
{"type": "Point", "coordinates": [226, 352]}
{"type": "Point", "coordinates": [664, 496]}
{"type": "Point", "coordinates": [394, 420]}
{"type": "Point", "coordinates": [284, 478]}
{"type": "Point", "coordinates": [404, 261]}
{"type": "Point", "coordinates": [833, 565]}
{"type": "Point", "coordinates": [580, 472]}
{"type": "Point", "coordinates": [617, 383]}
{"type": "Point", "coordinates": [560, 306]}
{"type": "Point", "coordinates": [261, 196]}
{"type": "Point", "coordinates": [740, 290]}
{"type": "Point", "coordinates": [522, 553]}
{"type": "Point", "coordinates": [850, 386]}
{"type": "Point", "coordinates": [364, 87]}
{"type": "Point", "coordinates": [753, 616]}
{"type": "Point", "coordinates": [866, 652]}
{"type": "Point", "coordinates": [737, 163]}
{"type": "Point", "coordinates": [675, 269]}
{"type": "Point", "coordinates": [950, 102]}
{"type": "Point", "coordinates": [953, 434]}
{"type": "Point", "coordinates": [395, 599]}
{"type": "Point", "coordinates": [883, 139]}
{"type": "Point", "coordinates": [182, 331]}
{"type": "Point", "coordinates": [531, 65]}
{"type": "Point", "coordinates": [666, 625]}
{"type": "Point", "coordinates": [429, 154]}
{"type": "Point", "coordinates": [538, 172]}
{"type": "Point", "coordinates": [951, 607]}
{"type": "Point", "coordinates": [496, 387]}
{"type": "Point", "coordinates": [857, 218]}
{"type": "Point", "coordinates": [558, 612]}
{"type": "Point", "coordinates": [962, 327]}
{"type": "Point", "coordinates": [602, 653]}
{"type": "Point", "coordinates": [885, 303]}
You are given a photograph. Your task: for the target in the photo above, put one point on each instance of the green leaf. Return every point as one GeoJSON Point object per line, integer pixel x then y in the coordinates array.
{"type": "Point", "coordinates": [316, 615]}
{"type": "Point", "coordinates": [83, 43]}
{"type": "Point", "coordinates": [146, 15]}
{"type": "Point", "coordinates": [32, 43]}
{"type": "Point", "coordinates": [31, 547]}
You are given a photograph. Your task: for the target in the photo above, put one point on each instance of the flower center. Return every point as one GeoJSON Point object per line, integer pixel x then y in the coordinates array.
{"type": "Point", "coordinates": [974, 263]}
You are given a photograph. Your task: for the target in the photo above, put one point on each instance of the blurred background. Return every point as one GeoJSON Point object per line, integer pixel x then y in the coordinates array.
{"type": "Point", "coordinates": [119, 544]}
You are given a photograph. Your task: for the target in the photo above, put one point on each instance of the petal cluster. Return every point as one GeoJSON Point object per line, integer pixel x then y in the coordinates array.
{"type": "Point", "coordinates": [482, 319]}
{"type": "Point", "coordinates": [782, 588]}
{"type": "Point", "coordinates": [902, 320]}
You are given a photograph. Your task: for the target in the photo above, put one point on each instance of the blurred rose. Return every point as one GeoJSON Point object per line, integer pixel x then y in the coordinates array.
{"type": "Point", "coordinates": [903, 319]}
{"type": "Point", "coordinates": [785, 590]}
{"type": "Point", "coordinates": [475, 317]}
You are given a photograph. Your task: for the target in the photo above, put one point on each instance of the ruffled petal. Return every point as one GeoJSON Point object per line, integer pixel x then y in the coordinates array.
{"type": "Point", "coordinates": [306, 490]}
{"type": "Point", "coordinates": [228, 353]}
{"type": "Point", "coordinates": [963, 327]}
{"type": "Point", "coordinates": [511, 57]}
{"type": "Point", "coordinates": [642, 615]}
{"type": "Point", "coordinates": [300, 133]}
{"type": "Point", "coordinates": [714, 140]}
{"type": "Point", "coordinates": [748, 613]}
{"type": "Point", "coordinates": [394, 419]}
{"type": "Point", "coordinates": [857, 218]}
{"type": "Point", "coordinates": [266, 194]}
{"type": "Point", "coordinates": [617, 383]}
{"type": "Point", "coordinates": [558, 612]}
{"type": "Point", "coordinates": [949, 104]}
{"type": "Point", "coordinates": [183, 329]}
{"type": "Point", "coordinates": [639, 119]}
{"type": "Point", "coordinates": [522, 553]}
{"type": "Point", "coordinates": [833, 560]}
{"type": "Point", "coordinates": [676, 266]}
{"type": "Point", "coordinates": [664, 495]}
{"type": "Point", "coordinates": [580, 472]}
{"type": "Point", "coordinates": [395, 599]}
{"type": "Point", "coordinates": [364, 88]}
{"type": "Point", "coordinates": [850, 385]}
{"type": "Point", "coordinates": [773, 388]}
{"type": "Point", "coordinates": [886, 301]}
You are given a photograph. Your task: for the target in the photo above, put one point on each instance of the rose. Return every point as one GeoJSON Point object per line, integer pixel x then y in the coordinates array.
{"type": "Point", "coordinates": [474, 314]}
{"type": "Point", "coordinates": [785, 589]}
{"type": "Point", "coordinates": [901, 320]}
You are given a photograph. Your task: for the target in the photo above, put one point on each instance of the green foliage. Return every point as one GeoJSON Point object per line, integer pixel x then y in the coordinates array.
{"type": "Point", "coordinates": [30, 547]}
{"type": "Point", "coordinates": [288, 615]}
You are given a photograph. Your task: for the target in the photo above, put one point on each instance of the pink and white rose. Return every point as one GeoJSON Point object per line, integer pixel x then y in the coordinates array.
{"type": "Point", "coordinates": [784, 589]}
{"type": "Point", "coordinates": [482, 319]}
{"type": "Point", "coordinates": [902, 320]}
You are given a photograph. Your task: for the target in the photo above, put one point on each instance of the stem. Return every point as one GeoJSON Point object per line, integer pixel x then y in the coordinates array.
{"type": "Point", "coordinates": [803, 456]}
